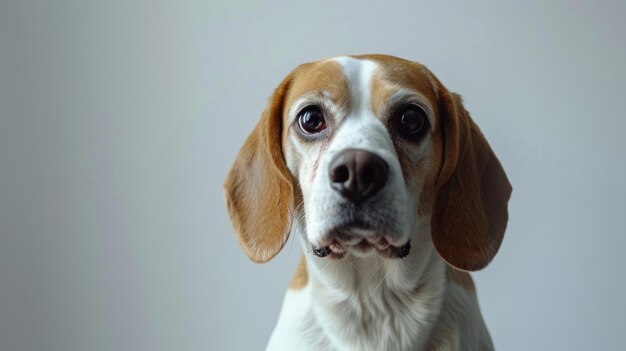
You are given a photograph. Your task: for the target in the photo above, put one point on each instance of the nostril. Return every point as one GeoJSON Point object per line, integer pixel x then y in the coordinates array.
{"type": "Point", "coordinates": [374, 171]}
{"type": "Point", "coordinates": [369, 174]}
{"type": "Point", "coordinates": [340, 174]}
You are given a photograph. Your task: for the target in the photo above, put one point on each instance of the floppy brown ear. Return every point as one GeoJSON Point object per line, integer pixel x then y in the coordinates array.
{"type": "Point", "coordinates": [259, 188]}
{"type": "Point", "coordinates": [470, 212]}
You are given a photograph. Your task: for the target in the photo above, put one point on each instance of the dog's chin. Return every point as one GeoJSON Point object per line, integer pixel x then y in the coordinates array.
{"type": "Point", "coordinates": [361, 241]}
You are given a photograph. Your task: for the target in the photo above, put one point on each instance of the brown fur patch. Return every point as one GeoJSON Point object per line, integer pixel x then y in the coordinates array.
{"type": "Point", "coordinates": [301, 277]}
{"type": "Point", "coordinates": [429, 188]}
{"type": "Point", "coordinates": [394, 74]}
{"type": "Point", "coordinates": [317, 79]}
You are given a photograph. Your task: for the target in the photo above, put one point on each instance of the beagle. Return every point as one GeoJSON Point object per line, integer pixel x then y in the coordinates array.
{"type": "Point", "coordinates": [394, 194]}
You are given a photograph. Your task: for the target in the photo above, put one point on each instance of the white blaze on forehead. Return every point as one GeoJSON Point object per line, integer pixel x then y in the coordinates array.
{"type": "Point", "coordinates": [360, 128]}
{"type": "Point", "coordinates": [359, 75]}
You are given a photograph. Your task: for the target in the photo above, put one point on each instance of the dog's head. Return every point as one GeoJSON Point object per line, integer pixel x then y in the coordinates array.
{"type": "Point", "coordinates": [360, 152]}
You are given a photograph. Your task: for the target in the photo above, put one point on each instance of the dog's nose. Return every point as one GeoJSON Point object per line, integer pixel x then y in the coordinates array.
{"type": "Point", "coordinates": [358, 174]}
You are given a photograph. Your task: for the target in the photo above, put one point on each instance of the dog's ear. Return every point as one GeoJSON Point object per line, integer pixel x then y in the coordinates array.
{"type": "Point", "coordinates": [259, 187]}
{"type": "Point", "coordinates": [470, 212]}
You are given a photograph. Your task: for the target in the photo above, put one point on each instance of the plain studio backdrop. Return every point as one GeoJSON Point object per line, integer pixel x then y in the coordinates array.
{"type": "Point", "coordinates": [119, 121]}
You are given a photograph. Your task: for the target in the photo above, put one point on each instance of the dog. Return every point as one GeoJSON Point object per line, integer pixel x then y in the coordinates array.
{"type": "Point", "coordinates": [394, 194]}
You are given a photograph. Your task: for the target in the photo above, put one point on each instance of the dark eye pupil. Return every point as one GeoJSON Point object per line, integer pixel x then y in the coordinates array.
{"type": "Point", "coordinates": [312, 121]}
{"type": "Point", "coordinates": [412, 120]}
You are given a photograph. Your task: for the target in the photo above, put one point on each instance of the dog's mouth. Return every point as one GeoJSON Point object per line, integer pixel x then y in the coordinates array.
{"type": "Point", "coordinates": [337, 251]}
{"type": "Point", "coordinates": [360, 240]}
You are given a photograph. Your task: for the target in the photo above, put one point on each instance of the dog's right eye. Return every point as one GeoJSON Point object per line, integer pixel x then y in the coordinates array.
{"type": "Point", "coordinates": [311, 120]}
{"type": "Point", "coordinates": [412, 121]}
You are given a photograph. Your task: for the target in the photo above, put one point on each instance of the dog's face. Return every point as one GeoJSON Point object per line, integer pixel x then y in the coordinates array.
{"type": "Point", "coordinates": [350, 126]}
{"type": "Point", "coordinates": [358, 151]}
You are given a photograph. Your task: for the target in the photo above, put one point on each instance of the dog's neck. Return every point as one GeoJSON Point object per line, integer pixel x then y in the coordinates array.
{"type": "Point", "coordinates": [364, 303]}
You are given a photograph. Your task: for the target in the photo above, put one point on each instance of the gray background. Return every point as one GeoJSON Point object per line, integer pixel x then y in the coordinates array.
{"type": "Point", "coordinates": [119, 122]}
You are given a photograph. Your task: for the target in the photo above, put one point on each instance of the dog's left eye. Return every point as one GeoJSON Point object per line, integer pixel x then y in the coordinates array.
{"type": "Point", "coordinates": [412, 120]}
{"type": "Point", "coordinates": [311, 120]}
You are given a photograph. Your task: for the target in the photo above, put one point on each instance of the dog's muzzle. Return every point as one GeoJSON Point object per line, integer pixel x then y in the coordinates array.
{"type": "Point", "coordinates": [358, 175]}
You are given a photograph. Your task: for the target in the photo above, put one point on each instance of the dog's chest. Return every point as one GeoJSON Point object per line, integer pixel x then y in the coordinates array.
{"type": "Point", "coordinates": [367, 313]}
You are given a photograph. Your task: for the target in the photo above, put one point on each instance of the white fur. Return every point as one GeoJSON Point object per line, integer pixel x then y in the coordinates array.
{"type": "Point", "coordinates": [367, 302]}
